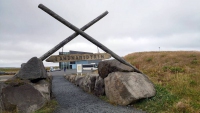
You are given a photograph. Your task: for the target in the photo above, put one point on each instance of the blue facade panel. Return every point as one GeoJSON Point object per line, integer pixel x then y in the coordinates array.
{"type": "Point", "coordinates": [73, 66]}
{"type": "Point", "coordinates": [82, 62]}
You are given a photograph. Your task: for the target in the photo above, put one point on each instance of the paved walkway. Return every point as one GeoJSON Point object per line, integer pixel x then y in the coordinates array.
{"type": "Point", "coordinates": [73, 99]}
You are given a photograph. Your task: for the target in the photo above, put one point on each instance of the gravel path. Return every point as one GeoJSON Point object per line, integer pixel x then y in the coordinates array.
{"type": "Point", "coordinates": [72, 99]}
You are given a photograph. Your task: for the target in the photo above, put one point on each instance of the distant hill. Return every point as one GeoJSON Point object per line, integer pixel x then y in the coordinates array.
{"type": "Point", "coordinates": [176, 71]}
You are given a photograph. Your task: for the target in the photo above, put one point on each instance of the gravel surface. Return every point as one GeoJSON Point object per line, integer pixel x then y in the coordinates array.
{"type": "Point", "coordinates": [73, 99]}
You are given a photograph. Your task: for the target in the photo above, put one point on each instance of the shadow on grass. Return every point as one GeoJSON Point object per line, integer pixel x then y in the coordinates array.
{"type": "Point", "coordinates": [163, 101]}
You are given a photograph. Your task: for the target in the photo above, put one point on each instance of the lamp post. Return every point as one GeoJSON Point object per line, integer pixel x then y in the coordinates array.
{"type": "Point", "coordinates": [62, 62]}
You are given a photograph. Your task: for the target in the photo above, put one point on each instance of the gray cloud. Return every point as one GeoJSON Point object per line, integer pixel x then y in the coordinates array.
{"type": "Point", "coordinates": [130, 26]}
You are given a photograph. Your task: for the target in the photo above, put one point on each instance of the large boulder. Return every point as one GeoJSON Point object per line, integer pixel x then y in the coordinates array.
{"type": "Point", "coordinates": [24, 97]}
{"type": "Point", "coordinates": [109, 66]}
{"type": "Point", "coordinates": [124, 88]}
{"type": "Point", "coordinates": [33, 69]}
{"type": "Point", "coordinates": [99, 89]}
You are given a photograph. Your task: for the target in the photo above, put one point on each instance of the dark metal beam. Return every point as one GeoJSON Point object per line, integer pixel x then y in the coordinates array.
{"type": "Point", "coordinates": [82, 33]}
{"type": "Point", "coordinates": [61, 44]}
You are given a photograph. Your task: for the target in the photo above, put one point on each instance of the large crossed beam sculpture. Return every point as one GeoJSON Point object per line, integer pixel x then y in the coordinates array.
{"type": "Point", "coordinates": [85, 35]}
{"type": "Point", "coordinates": [71, 37]}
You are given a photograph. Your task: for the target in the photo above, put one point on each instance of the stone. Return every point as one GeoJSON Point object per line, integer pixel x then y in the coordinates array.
{"type": "Point", "coordinates": [89, 82]}
{"type": "Point", "coordinates": [2, 85]}
{"type": "Point", "coordinates": [99, 89]}
{"type": "Point", "coordinates": [33, 69]}
{"type": "Point", "coordinates": [124, 88]}
{"type": "Point", "coordinates": [72, 78]}
{"type": "Point", "coordinates": [22, 65]}
{"type": "Point", "coordinates": [25, 98]}
{"type": "Point", "coordinates": [79, 80]}
{"type": "Point", "coordinates": [67, 77]}
{"type": "Point", "coordinates": [109, 66]}
{"type": "Point", "coordinates": [44, 87]}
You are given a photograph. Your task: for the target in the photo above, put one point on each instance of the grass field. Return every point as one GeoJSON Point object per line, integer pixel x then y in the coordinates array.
{"type": "Point", "coordinates": [176, 76]}
{"type": "Point", "coordinates": [13, 70]}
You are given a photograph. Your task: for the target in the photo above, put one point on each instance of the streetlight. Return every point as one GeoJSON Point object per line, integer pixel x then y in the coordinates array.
{"type": "Point", "coordinates": [62, 62]}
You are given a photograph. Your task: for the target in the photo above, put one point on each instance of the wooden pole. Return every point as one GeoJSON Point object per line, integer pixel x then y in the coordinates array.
{"type": "Point", "coordinates": [88, 37]}
{"type": "Point", "coordinates": [61, 44]}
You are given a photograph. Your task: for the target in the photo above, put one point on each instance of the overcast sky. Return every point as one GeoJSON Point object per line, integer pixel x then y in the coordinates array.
{"type": "Point", "coordinates": [131, 26]}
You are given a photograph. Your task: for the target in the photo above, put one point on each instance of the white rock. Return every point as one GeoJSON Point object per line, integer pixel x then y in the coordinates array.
{"type": "Point", "coordinates": [124, 88]}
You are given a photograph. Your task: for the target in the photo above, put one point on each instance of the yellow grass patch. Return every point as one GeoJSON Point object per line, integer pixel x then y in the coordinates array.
{"type": "Point", "coordinates": [176, 71]}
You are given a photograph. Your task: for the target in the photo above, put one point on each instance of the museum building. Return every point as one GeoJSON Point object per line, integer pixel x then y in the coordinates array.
{"type": "Point", "coordinates": [73, 64]}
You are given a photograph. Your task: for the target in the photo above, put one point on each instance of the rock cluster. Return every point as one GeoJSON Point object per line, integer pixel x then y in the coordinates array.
{"type": "Point", "coordinates": [28, 90]}
{"type": "Point", "coordinates": [119, 82]}
{"type": "Point", "coordinates": [91, 83]}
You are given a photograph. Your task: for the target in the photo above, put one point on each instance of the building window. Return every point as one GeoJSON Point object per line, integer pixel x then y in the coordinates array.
{"type": "Point", "coordinates": [72, 62]}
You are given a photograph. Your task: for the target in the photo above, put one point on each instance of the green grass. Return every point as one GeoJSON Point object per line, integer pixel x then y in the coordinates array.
{"type": "Point", "coordinates": [48, 108]}
{"type": "Point", "coordinates": [163, 101]}
{"type": "Point", "coordinates": [16, 82]}
{"type": "Point", "coordinates": [173, 69]}
{"type": "Point", "coordinates": [104, 98]}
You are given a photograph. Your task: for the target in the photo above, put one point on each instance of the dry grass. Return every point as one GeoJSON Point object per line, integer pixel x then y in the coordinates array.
{"type": "Point", "coordinates": [178, 72]}
{"type": "Point", "coordinates": [10, 70]}
{"type": "Point", "coordinates": [15, 70]}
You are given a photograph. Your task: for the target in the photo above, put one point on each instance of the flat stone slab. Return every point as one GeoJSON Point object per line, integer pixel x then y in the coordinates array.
{"type": "Point", "coordinates": [109, 66]}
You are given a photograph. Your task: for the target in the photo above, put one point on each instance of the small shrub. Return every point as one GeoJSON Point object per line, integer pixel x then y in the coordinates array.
{"type": "Point", "coordinates": [165, 68]}
{"type": "Point", "coordinates": [193, 83]}
{"type": "Point", "coordinates": [104, 98]}
{"type": "Point", "coordinates": [194, 61]}
{"type": "Point", "coordinates": [192, 55]}
{"type": "Point", "coordinates": [149, 59]}
{"type": "Point", "coordinates": [163, 55]}
{"type": "Point", "coordinates": [173, 69]}
{"type": "Point", "coordinates": [176, 70]}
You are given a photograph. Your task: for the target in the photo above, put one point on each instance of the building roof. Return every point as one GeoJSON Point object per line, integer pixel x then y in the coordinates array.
{"type": "Point", "coordinates": [79, 52]}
